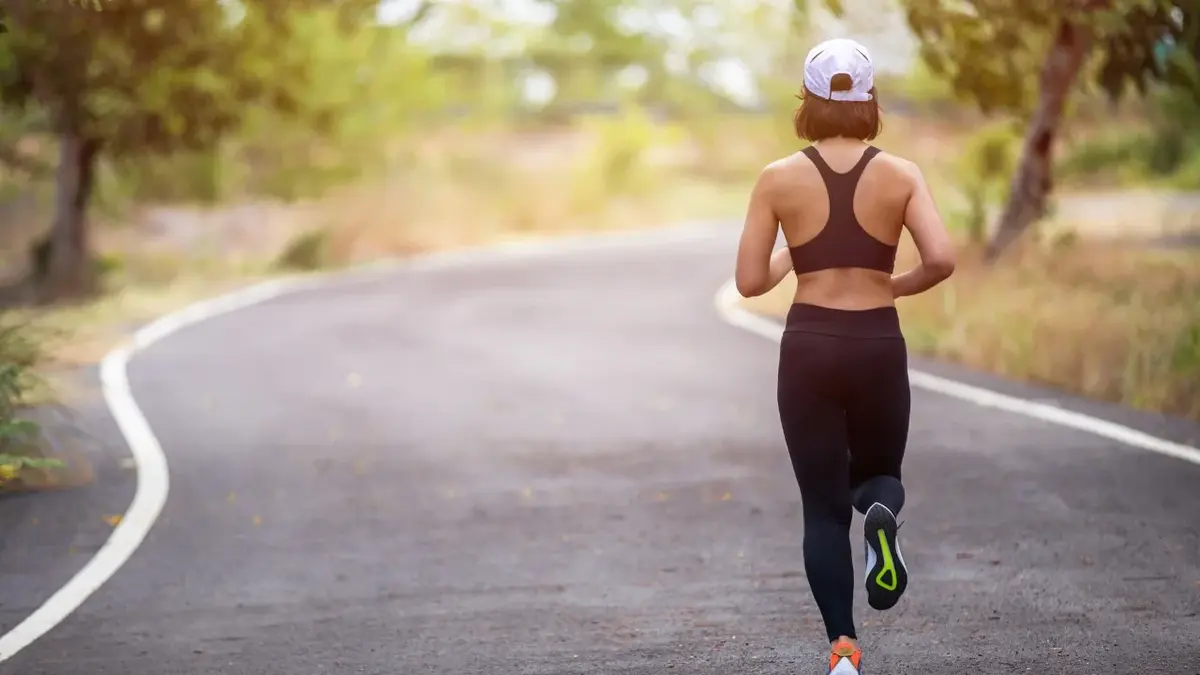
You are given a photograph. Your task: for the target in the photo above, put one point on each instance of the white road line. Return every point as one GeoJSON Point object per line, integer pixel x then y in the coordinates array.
{"type": "Point", "coordinates": [153, 478]}
{"type": "Point", "coordinates": [152, 471]}
{"type": "Point", "coordinates": [729, 306]}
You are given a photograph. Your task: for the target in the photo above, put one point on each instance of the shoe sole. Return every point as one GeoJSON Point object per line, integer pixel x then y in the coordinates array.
{"type": "Point", "coordinates": [887, 577]}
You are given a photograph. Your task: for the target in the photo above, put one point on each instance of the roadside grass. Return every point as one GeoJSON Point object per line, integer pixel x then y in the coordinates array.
{"type": "Point", "coordinates": [30, 460]}
{"type": "Point", "coordinates": [450, 188]}
{"type": "Point", "coordinates": [1105, 321]}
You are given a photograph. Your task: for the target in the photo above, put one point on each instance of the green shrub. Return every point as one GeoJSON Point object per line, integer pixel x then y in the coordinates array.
{"type": "Point", "coordinates": [920, 89]}
{"type": "Point", "coordinates": [984, 167]}
{"type": "Point", "coordinates": [618, 163]}
{"type": "Point", "coordinates": [19, 354]}
{"type": "Point", "coordinates": [1164, 152]}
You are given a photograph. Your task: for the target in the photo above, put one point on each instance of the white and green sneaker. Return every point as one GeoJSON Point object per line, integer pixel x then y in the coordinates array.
{"type": "Point", "coordinates": [887, 577]}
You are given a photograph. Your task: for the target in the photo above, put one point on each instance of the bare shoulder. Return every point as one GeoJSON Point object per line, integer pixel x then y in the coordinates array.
{"type": "Point", "coordinates": [902, 168]}
{"type": "Point", "coordinates": [777, 172]}
{"type": "Point", "coordinates": [781, 166]}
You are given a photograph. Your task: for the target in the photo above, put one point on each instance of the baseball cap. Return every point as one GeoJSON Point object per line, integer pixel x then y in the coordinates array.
{"type": "Point", "coordinates": [837, 57]}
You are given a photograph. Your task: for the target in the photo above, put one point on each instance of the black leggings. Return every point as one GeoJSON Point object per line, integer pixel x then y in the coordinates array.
{"type": "Point", "coordinates": [844, 403]}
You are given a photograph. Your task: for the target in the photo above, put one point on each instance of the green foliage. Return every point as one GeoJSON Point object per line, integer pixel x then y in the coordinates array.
{"type": "Point", "coordinates": [919, 88]}
{"type": "Point", "coordinates": [618, 164]}
{"type": "Point", "coordinates": [1166, 151]}
{"type": "Point", "coordinates": [19, 354]}
{"type": "Point", "coordinates": [368, 85]}
{"type": "Point", "coordinates": [166, 76]}
{"type": "Point", "coordinates": [11, 465]}
{"type": "Point", "coordinates": [992, 53]}
{"type": "Point", "coordinates": [984, 167]}
{"type": "Point", "coordinates": [1186, 356]}
{"type": "Point", "coordinates": [987, 52]}
{"type": "Point", "coordinates": [1157, 42]}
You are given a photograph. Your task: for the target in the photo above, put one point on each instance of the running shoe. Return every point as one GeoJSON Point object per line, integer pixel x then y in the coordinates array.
{"type": "Point", "coordinates": [887, 577]}
{"type": "Point", "coordinates": [844, 658]}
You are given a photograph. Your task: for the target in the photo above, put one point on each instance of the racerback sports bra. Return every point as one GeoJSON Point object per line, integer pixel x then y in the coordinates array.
{"type": "Point", "coordinates": [842, 242]}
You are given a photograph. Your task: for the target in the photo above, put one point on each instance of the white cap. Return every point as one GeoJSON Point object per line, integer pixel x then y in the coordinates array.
{"type": "Point", "coordinates": [836, 57]}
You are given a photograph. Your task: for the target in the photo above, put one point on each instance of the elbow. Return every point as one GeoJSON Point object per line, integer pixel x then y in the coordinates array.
{"type": "Point", "coordinates": [750, 288]}
{"type": "Point", "coordinates": [941, 267]}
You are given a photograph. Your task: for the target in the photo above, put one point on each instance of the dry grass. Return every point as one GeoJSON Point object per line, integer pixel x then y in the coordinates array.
{"type": "Point", "coordinates": [452, 190]}
{"type": "Point", "coordinates": [1024, 319]}
{"type": "Point", "coordinates": [1100, 320]}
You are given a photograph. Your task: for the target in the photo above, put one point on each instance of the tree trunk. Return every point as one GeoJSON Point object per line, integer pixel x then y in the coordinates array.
{"type": "Point", "coordinates": [70, 269]}
{"type": "Point", "coordinates": [1032, 183]}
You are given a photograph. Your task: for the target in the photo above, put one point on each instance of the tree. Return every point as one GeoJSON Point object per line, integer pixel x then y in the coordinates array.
{"type": "Point", "coordinates": [988, 50]}
{"type": "Point", "coordinates": [132, 77]}
{"type": "Point", "coordinates": [585, 46]}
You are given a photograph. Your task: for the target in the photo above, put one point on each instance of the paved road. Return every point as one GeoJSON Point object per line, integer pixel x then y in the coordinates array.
{"type": "Point", "coordinates": [571, 465]}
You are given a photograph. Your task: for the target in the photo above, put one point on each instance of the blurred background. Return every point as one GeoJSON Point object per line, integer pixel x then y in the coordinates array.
{"type": "Point", "coordinates": [156, 152]}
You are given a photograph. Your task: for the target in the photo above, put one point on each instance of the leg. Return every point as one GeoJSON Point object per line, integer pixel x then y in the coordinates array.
{"type": "Point", "coordinates": [883, 489]}
{"type": "Point", "coordinates": [878, 417]}
{"type": "Point", "coordinates": [815, 431]}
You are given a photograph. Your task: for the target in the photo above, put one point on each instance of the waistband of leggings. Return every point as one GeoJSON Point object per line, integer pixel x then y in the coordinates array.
{"type": "Point", "coordinates": [879, 322]}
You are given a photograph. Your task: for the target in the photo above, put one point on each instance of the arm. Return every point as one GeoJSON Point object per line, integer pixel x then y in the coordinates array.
{"type": "Point", "coordinates": [933, 242]}
{"type": "Point", "coordinates": [758, 269]}
{"type": "Point", "coordinates": [781, 266]}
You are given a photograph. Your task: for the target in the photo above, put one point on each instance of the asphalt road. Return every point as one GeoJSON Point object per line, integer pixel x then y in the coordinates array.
{"type": "Point", "coordinates": [569, 464]}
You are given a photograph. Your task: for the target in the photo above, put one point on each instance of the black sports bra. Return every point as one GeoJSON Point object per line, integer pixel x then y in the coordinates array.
{"type": "Point", "coordinates": [842, 242]}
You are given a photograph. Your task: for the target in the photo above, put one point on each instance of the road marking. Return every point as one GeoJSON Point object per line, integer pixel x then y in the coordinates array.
{"type": "Point", "coordinates": [153, 477]}
{"type": "Point", "coordinates": [729, 306]}
{"type": "Point", "coordinates": [149, 461]}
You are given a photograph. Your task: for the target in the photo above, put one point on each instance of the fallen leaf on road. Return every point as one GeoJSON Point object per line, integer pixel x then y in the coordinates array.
{"type": "Point", "coordinates": [527, 493]}
{"type": "Point", "coordinates": [726, 497]}
{"type": "Point", "coordinates": [661, 497]}
{"type": "Point", "coordinates": [112, 520]}
{"type": "Point", "coordinates": [257, 521]}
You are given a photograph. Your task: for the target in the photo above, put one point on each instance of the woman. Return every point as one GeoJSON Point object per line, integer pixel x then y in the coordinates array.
{"type": "Point", "coordinates": [843, 367]}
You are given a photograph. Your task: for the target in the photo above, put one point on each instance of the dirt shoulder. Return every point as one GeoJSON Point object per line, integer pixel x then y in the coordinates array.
{"type": "Point", "coordinates": [1104, 320]}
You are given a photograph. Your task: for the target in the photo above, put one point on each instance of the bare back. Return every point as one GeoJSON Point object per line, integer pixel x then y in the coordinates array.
{"type": "Point", "coordinates": [801, 201]}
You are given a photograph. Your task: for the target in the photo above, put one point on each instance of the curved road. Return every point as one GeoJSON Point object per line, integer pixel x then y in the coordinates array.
{"type": "Point", "coordinates": [569, 464]}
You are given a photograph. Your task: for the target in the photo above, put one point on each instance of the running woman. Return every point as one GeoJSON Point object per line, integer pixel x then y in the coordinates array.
{"type": "Point", "coordinates": [843, 385]}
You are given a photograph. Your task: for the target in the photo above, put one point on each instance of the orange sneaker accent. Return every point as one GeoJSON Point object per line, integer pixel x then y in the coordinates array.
{"type": "Point", "coordinates": [845, 649]}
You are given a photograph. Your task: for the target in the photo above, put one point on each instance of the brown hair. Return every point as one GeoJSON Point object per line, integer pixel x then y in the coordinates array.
{"type": "Point", "coordinates": [818, 118]}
